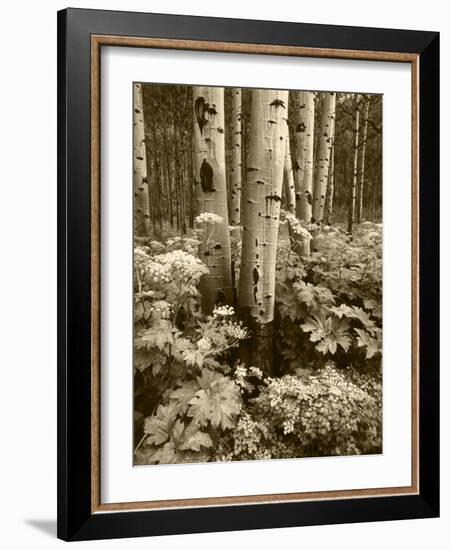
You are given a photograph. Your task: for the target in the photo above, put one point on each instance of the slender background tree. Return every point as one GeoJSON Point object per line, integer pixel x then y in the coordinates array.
{"type": "Point", "coordinates": [303, 165]}
{"type": "Point", "coordinates": [290, 195]}
{"type": "Point", "coordinates": [140, 186]}
{"type": "Point", "coordinates": [353, 191]}
{"type": "Point", "coordinates": [235, 163]}
{"type": "Point", "coordinates": [322, 157]}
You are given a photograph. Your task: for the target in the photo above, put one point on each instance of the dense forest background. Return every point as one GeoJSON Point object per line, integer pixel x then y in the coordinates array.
{"type": "Point", "coordinates": [168, 115]}
{"type": "Point", "coordinates": [257, 273]}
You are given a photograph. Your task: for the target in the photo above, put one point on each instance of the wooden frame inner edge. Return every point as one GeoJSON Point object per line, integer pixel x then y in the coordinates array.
{"type": "Point", "coordinates": [107, 40]}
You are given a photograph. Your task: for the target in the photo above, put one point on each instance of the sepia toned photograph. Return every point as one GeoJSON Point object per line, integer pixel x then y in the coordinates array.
{"type": "Point", "coordinates": [257, 273]}
{"type": "Point", "coordinates": [248, 274]}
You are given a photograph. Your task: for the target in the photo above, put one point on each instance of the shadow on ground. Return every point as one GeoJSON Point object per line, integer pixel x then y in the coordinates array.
{"type": "Point", "coordinates": [47, 526]}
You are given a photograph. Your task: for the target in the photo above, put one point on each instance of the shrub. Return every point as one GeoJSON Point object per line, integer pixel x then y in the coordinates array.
{"type": "Point", "coordinates": [195, 402]}
{"type": "Point", "coordinates": [324, 413]}
{"type": "Point", "coordinates": [329, 304]}
{"type": "Point", "coordinates": [183, 398]}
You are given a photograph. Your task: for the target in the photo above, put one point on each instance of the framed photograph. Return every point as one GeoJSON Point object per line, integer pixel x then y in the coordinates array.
{"type": "Point", "coordinates": [248, 274]}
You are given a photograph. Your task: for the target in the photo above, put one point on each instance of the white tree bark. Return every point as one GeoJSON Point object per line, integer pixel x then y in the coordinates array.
{"type": "Point", "coordinates": [330, 181]}
{"type": "Point", "coordinates": [211, 194]}
{"type": "Point", "coordinates": [323, 157]}
{"type": "Point", "coordinates": [288, 175]}
{"type": "Point", "coordinates": [235, 168]}
{"type": "Point", "coordinates": [330, 189]}
{"type": "Point", "coordinates": [140, 185]}
{"type": "Point", "coordinates": [303, 165]}
{"type": "Point", "coordinates": [356, 115]}
{"type": "Point", "coordinates": [361, 184]}
{"type": "Point", "coordinates": [261, 205]}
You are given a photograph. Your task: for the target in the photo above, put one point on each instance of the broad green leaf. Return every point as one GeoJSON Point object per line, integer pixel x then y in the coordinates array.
{"type": "Point", "coordinates": [364, 339]}
{"type": "Point", "coordinates": [158, 336]}
{"type": "Point", "coordinates": [201, 408]}
{"type": "Point", "coordinates": [142, 359]}
{"type": "Point", "coordinates": [158, 427]}
{"type": "Point", "coordinates": [184, 394]}
{"type": "Point", "coordinates": [177, 430]}
{"type": "Point", "coordinates": [193, 439]}
{"type": "Point", "coordinates": [166, 454]}
{"type": "Point", "coordinates": [219, 403]}
{"type": "Point", "coordinates": [193, 357]}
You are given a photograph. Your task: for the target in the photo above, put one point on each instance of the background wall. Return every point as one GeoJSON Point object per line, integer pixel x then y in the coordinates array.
{"type": "Point", "coordinates": [28, 274]}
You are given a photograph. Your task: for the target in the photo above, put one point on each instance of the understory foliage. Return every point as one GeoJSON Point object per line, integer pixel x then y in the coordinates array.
{"type": "Point", "coordinates": [326, 412]}
{"type": "Point", "coordinates": [196, 401]}
{"type": "Point", "coordinates": [329, 305]}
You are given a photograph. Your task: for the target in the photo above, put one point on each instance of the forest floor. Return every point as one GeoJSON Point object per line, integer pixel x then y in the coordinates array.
{"type": "Point", "coordinates": [196, 401]}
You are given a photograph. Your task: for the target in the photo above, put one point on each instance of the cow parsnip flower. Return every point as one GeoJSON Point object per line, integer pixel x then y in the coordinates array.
{"type": "Point", "coordinates": [208, 218]}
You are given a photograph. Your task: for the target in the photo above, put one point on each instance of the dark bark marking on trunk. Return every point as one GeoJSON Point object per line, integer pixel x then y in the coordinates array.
{"type": "Point", "coordinates": [256, 275]}
{"type": "Point", "coordinates": [300, 128]}
{"type": "Point", "coordinates": [207, 177]}
{"type": "Point", "coordinates": [277, 103]}
{"type": "Point", "coordinates": [200, 108]}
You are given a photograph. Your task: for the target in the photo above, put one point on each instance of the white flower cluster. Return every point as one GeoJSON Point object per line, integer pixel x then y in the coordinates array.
{"type": "Point", "coordinates": [285, 396]}
{"type": "Point", "coordinates": [208, 218]}
{"type": "Point", "coordinates": [240, 377]}
{"type": "Point", "coordinates": [187, 244]}
{"type": "Point", "coordinates": [223, 311]}
{"type": "Point", "coordinates": [235, 331]}
{"type": "Point", "coordinates": [141, 258]}
{"type": "Point", "coordinates": [255, 371]}
{"type": "Point", "coordinates": [140, 253]}
{"type": "Point", "coordinates": [162, 309]}
{"type": "Point", "coordinates": [242, 372]}
{"type": "Point", "coordinates": [297, 227]}
{"type": "Point", "coordinates": [157, 273]}
{"type": "Point", "coordinates": [177, 266]}
{"type": "Point", "coordinates": [204, 344]}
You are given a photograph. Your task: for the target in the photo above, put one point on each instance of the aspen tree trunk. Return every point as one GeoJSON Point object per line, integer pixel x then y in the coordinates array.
{"type": "Point", "coordinates": [303, 165]}
{"type": "Point", "coordinates": [261, 209]}
{"type": "Point", "coordinates": [330, 189]}
{"type": "Point", "coordinates": [177, 174]}
{"type": "Point", "coordinates": [330, 181]}
{"type": "Point", "coordinates": [183, 188]}
{"type": "Point", "coordinates": [153, 210]}
{"type": "Point", "coordinates": [361, 184]}
{"type": "Point", "coordinates": [167, 176]}
{"type": "Point", "coordinates": [140, 186]}
{"type": "Point", "coordinates": [323, 157]}
{"type": "Point", "coordinates": [235, 167]}
{"type": "Point", "coordinates": [352, 202]}
{"type": "Point", "coordinates": [156, 198]}
{"type": "Point", "coordinates": [211, 194]}
{"type": "Point", "coordinates": [164, 190]}
{"type": "Point", "coordinates": [376, 181]}
{"type": "Point", "coordinates": [186, 197]}
{"type": "Point", "coordinates": [288, 175]}
{"type": "Point", "coordinates": [191, 178]}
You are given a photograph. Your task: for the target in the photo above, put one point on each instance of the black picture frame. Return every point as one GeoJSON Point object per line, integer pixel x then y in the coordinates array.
{"type": "Point", "coordinates": [76, 520]}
